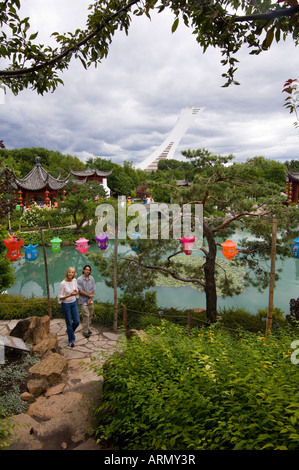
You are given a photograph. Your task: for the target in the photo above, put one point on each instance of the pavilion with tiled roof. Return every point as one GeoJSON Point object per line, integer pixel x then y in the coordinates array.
{"type": "Point", "coordinates": [92, 174]}
{"type": "Point", "coordinates": [292, 180]}
{"type": "Point", "coordinates": [38, 183]}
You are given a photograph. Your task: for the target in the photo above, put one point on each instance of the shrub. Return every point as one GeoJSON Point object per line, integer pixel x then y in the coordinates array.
{"type": "Point", "coordinates": [17, 306]}
{"type": "Point", "coordinates": [103, 314]}
{"type": "Point", "coordinates": [239, 318]}
{"type": "Point", "coordinates": [209, 391]}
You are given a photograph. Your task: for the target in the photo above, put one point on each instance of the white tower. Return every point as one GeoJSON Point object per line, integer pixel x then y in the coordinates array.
{"type": "Point", "coordinates": [168, 147]}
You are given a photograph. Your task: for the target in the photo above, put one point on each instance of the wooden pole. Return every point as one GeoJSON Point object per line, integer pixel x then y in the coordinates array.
{"type": "Point", "coordinates": [115, 281]}
{"type": "Point", "coordinates": [46, 270]}
{"type": "Point", "coordinates": [272, 279]}
{"type": "Point", "coordinates": [125, 317]}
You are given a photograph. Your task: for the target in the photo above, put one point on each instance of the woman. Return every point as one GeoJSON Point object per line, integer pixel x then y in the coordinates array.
{"type": "Point", "coordinates": [67, 295]}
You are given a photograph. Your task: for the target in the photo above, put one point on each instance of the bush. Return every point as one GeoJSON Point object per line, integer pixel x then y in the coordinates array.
{"type": "Point", "coordinates": [17, 306]}
{"type": "Point", "coordinates": [239, 318]}
{"type": "Point", "coordinates": [103, 314]}
{"type": "Point", "coordinates": [209, 391]}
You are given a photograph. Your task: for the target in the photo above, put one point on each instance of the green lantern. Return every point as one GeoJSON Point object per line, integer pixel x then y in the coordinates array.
{"type": "Point", "coordinates": [55, 244]}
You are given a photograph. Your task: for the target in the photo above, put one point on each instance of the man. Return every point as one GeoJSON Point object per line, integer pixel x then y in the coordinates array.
{"type": "Point", "coordinates": [86, 287]}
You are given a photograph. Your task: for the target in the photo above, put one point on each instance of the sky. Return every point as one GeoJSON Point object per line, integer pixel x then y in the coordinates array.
{"type": "Point", "coordinates": [124, 109]}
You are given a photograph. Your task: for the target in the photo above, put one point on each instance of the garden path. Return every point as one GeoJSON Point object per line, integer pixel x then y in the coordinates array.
{"type": "Point", "coordinates": [62, 419]}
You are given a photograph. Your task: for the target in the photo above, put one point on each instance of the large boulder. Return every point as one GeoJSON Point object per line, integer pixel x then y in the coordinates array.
{"type": "Point", "coordinates": [53, 369]}
{"type": "Point", "coordinates": [32, 330]}
{"type": "Point", "coordinates": [45, 347]}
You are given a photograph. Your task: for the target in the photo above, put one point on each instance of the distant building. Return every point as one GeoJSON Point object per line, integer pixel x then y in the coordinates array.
{"type": "Point", "coordinates": [93, 175]}
{"type": "Point", "coordinates": [169, 145]}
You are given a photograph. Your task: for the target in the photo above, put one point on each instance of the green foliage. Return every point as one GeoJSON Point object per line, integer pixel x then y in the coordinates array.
{"type": "Point", "coordinates": [6, 429]}
{"type": "Point", "coordinates": [103, 314]}
{"type": "Point", "coordinates": [224, 24]}
{"type": "Point", "coordinates": [22, 160]}
{"type": "Point", "coordinates": [13, 375]}
{"type": "Point", "coordinates": [209, 391]}
{"type": "Point", "coordinates": [17, 306]}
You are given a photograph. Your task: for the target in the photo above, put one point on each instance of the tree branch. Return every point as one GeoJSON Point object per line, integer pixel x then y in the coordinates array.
{"type": "Point", "coordinates": [268, 16]}
{"type": "Point", "coordinates": [167, 271]}
{"type": "Point", "coordinates": [69, 50]}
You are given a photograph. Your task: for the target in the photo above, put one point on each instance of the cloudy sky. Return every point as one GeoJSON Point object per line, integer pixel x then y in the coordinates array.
{"type": "Point", "coordinates": [125, 107]}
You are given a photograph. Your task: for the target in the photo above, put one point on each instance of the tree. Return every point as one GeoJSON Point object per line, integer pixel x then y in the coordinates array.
{"type": "Point", "coordinates": [226, 24]}
{"type": "Point", "coordinates": [80, 201]}
{"type": "Point", "coordinates": [230, 198]}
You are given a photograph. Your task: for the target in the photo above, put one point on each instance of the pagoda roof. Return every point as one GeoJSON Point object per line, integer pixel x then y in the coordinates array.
{"type": "Point", "coordinates": [39, 179]}
{"type": "Point", "coordinates": [292, 176]}
{"type": "Point", "coordinates": [91, 172]}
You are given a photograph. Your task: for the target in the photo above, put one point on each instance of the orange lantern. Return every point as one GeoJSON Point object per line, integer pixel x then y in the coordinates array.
{"type": "Point", "coordinates": [229, 249]}
{"type": "Point", "coordinates": [13, 245]}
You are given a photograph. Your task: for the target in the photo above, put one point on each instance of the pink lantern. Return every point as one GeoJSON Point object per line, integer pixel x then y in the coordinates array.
{"type": "Point", "coordinates": [102, 241]}
{"type": "Point", "coordinates": [187, 244]}
{"type": "Point", "coordinates": [82, 245]}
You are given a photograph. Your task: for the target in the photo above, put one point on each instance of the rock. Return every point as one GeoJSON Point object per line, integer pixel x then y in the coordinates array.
{"type": "Point", "coordinates": [139, 333]}
{"type": "Point", "coordinates": [37, 386]}
{"type": "Point", "coordinates": [55, 390]}
{"type": "Point", "coordinates": [68, 418]}
{"type": "Point", "coordinates": [47, 346]}
{"type": "Point", "coordinates": [49, 408]}
{"type": "Point", "coordinates": [53, 369]}
{"type": "Point", "coordinates": [26, 396]}
{"type": "Point", "coordinates": [32, 330]}
{"type": "Point", "coordinates": [23, 434]}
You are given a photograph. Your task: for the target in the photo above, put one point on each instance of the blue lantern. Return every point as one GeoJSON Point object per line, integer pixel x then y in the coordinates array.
{"type": "Point", "coordinates": [295, 248]}
{"type": "Point", "coordinates": [31, 253]}
{"type": "Point", "coordinates": [136, 237]}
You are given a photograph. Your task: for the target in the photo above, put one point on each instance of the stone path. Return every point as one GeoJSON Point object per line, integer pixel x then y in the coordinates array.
{"type": "Point", "coordinates": [102, 341]}
{"type": "Point", "coordinates": [61, 419]}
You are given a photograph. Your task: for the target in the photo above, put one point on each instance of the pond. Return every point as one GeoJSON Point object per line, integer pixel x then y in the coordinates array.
{"type": "Point", "coordinates": [30, 281]}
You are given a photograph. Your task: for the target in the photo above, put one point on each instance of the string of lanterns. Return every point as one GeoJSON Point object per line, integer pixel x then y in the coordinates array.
{"type": "Point", "coordinates": [289, 191]}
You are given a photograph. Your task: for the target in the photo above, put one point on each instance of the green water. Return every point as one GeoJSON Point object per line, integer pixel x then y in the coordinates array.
{"type": "Point", "coordinates": [30, 281]}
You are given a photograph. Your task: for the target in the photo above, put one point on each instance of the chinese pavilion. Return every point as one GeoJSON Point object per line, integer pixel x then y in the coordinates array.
{"type": "Point", "coordinates": [91, 174]}
{"type": "Point", "coordinates": [292, 186]}
{"type": "Point", "coordinates": [38, 184]}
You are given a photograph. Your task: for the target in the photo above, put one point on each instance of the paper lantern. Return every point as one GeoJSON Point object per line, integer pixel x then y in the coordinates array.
{"type": "Point", "coordinates": [55, 244]}
{"type": "Point", "coordinates": [102, 241]}
{"type": "Point", "coordinates": [31, 253]}
{"type": "Point", "coordinates": [82, 245]}
{"type": "Point", "coordinates": [187, 244]}
{"type": "Point", "coordinates": [295, 248]}
{"type": "Point", "coordinates": [13, 245]}
{"type": "Point", "coordinates": [136, 237]}
{"type": "Point", "coordinates": [229, 249]}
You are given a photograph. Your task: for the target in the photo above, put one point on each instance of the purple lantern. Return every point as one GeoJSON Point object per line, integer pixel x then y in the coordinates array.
{"type": "Point", "coordinates": [102, 240]}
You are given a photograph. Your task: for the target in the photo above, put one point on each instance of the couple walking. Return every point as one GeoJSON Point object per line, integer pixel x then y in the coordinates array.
{"type": "Point", "coordinates": [72, 292]}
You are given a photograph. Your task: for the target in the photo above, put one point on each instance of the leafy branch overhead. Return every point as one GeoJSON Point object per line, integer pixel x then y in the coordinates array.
{"type": "Point", "coordinates": [225, 24]}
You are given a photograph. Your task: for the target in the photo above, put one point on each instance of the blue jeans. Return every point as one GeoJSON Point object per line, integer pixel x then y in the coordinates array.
{"type": "Point", "coordinates": [72, 319]}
